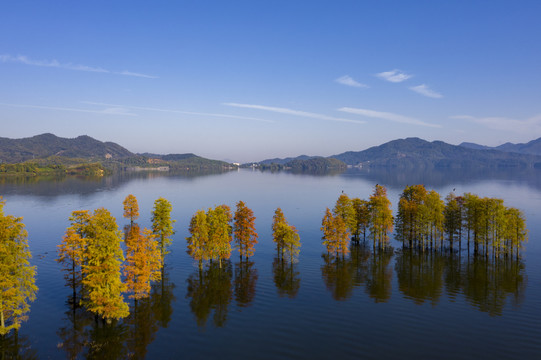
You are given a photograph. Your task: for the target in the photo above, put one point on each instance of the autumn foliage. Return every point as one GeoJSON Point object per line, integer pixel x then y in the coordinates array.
{"type": "Point", "coordinates": [143, 262]}
{"type": "Point", "coordinates": [17, 277]}
{"type": "Point", "coordinates": [244, 230]}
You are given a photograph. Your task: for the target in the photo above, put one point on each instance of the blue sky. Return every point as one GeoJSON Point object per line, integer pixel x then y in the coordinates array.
{"type": "Point", "coordinates": [249, 80]}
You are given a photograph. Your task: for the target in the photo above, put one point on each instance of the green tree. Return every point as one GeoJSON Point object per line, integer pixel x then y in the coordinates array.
{"type": "Point", "coordinates": [277, 230]}
{"type": "Point", "coordinates": [362, 217]}
{"type": "Point", "coordinates": [162, 225]}
{"type": "Point", "coordinates": [198, 242]}
{"type": "Point", "coordinates": [220, 233]}
{"type": "Point", "coordinates": [101, 268]}
{"type": "Point", "coordinates": [408, 219]}
{"type": "Point", "coordinates": [381, 217]}
{"type": "Point", "coordinates": [244, 230]}
{"type": "Point", "coordinates": [17, 277]}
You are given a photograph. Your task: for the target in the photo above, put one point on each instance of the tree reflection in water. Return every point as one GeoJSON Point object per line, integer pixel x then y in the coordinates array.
{"type": "Point", "coordinates": [363, 266]}
{"type": "Point", "coordinates": [210, 289]}
{"type": "Point", "coordinates": [83, 335]}
{"type": "Point", "coordinates": [245, 282]}
{"type": "Point", "coordinates": [286, 277]}
{"type": "Point", "coordinates": [13, 346]}
{"type": "Point", "coordinates": [485, 283]}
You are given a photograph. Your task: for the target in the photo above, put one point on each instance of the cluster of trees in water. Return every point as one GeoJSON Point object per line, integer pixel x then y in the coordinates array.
{"type": "Point", "coordinates": [425, 221]}
{"type": "Point", "coordinates": [98, 273]}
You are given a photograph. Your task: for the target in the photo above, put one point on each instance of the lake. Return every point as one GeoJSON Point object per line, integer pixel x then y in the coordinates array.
{"type": "Point", "coordinates": [392, 304]}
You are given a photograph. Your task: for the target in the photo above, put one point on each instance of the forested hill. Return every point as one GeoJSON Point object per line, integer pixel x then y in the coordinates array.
{"type": "Point", "coordinates": [418, 153]}
{"type": "Point", "coordinates": [48, 150]}
{"type": "Point", "coordinates": [533, 147]}
{"type": "Point", "coordinates": [47, 145]}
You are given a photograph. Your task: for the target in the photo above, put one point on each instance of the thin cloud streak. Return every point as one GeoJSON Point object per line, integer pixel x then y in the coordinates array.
{"type": "Point", "coordinates": [227, 116]}
{"type": "Point", "coordinates": [531, 125]}
{"type": "Point", "coordinates": [69, 66]}
{"type": "Point", "coordinates": [423, 89]}
{"type": "Point", "coordinates": [395, 76]}
{"type": "Point", "coordinates": [107, 111]}
{"type": "Point", "coordinates": [386, 116]}
{"type": "Point", "coordinates": [349, 81]}
{"type": "Point", "coordinates": [293, 112]}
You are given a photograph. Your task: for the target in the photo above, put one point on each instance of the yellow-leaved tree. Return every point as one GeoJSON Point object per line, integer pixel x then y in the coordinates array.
{"type": "Point", "coordinates": [17, 277]}
{"type": "Point", "coordinates": [101, 268]}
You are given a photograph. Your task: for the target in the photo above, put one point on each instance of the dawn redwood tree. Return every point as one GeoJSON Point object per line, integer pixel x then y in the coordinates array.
{"type": "Point", "coordinates": [277, 230]}
{"type": "Point", "coordinates": [17, 277]}
{"type": "Point", "coordinates": [381, 216]}
{"type": "Point", "coordinates": [101, 268]}
{"type": "Point", "coordinates": [362, 217]}
{"type": "Point", "coordinates": [244, 230]}
{"type": "Point", "coordinates": [162, 225]}
{"type": "Point", "coordinates": [344, 208]}
{"type": "Point", "coordinates": [220, 233]}
{"type": "Point", "coordinates": [143, 262]}
{"type": "Point", "coordinates": [335, 234]}
{"type": "Point", "coordinates": [131, 208]}
{"type": "Point", "coordinates": [198, 242]}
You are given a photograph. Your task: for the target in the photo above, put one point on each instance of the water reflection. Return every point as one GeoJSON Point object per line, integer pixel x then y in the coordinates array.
{"type": "Point", "coordinates": [439, 177]}
{"type": "Point", "coordinates": [210, 290]}
{"type": "Point", "coordinates": [84, 335]}
{"type": "Point", "coordinates": [13, 346]}
{"type": "Point", "coordinates": [72, 334]}
{"type": "Point", "coordinates": [363, 267]}
{"type": "Point", "coordinates": [286, 277]}
{"type": "Point", "coordinates": [245, 283]}
{"type": "Point", "coordinates": [107, 341]}
{"type": "Point", "coordinates": [54, 186]}
{"type": "Point", "coordinates": [485, 283]}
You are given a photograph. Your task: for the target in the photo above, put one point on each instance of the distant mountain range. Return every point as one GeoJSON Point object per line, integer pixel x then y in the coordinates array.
{"type": "Point", "coordinates": [418, 153]}
{"type": "Point", "coordinates": [49, 148]}
{"type": "Point", "coordinates": [533, 147]}
{"type": "Point", "coordinates": [402, 153]}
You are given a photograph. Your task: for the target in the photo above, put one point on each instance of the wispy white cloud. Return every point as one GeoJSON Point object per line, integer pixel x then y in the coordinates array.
{"type": "Point", "coordinates": [129, 73]}
{"type": "Point", "coordinates": [349, 81]}
{"type": "Point", "coordinates": [426, 91]}
{"type": "Point", "coordinates": [107, 111]}
{"type": "Point", "coordinates": [293, 112]}
{"type": "Point", "coordinates": [394, 76]}
{"type": "Point", "coordinates": [387, 116]}
{"type": "Point", "coordinates": [227, 116]}
{"type": "Point", "coordinates": [69, 66]}
{"type": "Point", "coordinates": [531, 125]}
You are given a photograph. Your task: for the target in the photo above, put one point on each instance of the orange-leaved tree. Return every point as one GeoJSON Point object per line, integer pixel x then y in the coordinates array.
{"type": "Point", "coordinates": [131, 208]}
{"type": "Point", "coordinates": [143, 262]}
{"type": "Point", "coordinates": [71, 250]}
{"type": "Point", "coordinates": [244, 230]}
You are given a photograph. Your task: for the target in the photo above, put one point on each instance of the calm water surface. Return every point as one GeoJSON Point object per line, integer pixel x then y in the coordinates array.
{"type": "Point", "coordinates": [393, 304]}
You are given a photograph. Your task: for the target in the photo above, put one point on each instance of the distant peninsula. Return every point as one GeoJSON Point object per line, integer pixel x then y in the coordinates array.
{"type": "Point", "coordinates": [48, 154]}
